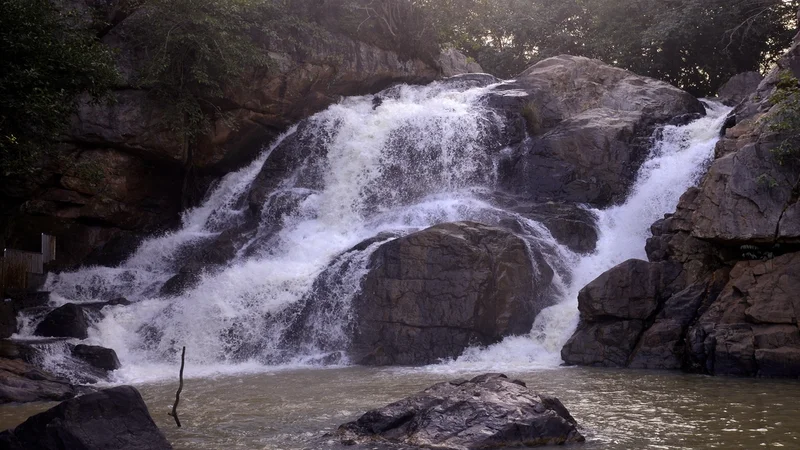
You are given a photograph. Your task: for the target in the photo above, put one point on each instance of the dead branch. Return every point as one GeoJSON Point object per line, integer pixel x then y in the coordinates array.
{"type": "Point", "coordinates": [174, 412]}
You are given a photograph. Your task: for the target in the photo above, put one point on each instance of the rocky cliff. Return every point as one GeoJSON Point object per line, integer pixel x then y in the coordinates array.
{"type": "Point", "coordinates": [719, 293]}
{"type": "Point", "coordinates": [122, 172]}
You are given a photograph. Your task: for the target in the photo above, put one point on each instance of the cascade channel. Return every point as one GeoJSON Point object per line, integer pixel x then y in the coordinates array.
{"type": "Point", "coordinates": [313, 207]}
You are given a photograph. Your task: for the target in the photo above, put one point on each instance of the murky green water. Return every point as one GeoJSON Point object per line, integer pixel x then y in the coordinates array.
{"type": "Point", "coordinates": [616, 409]}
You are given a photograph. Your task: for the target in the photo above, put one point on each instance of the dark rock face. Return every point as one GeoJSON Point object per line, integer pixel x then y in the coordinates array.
{"type": "Point", "coordinates": [99, 357]}
{"type": "Point", "coordinates": [113, 419]}
{"type": "Point", "coordinates": [489, 411]}
{"type": "Point", "coordinates": [432, 294]}
{"type": "Point", "coordinates": [21, 382]}
{"type": "Point", "coordinates": [66, 321]}
{"type": "Point", "coordinates": [591, 124]}
{"type": "Point", "coordinates": [735, 241]}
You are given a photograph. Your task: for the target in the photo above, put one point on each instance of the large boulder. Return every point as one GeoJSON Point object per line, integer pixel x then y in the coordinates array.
{"type": "Point", "coordinates": [68, 320]}
{"type": "Point", "coordinates": [20, 383]}
{"type": "Point", "coordinates": [432, 294]}
{"type": "Point", "coordinates": [590, 124]}
{"type": "Point", "coordinates": [489, 411]}
{"type": "Point", "coordinates": [113, 419]}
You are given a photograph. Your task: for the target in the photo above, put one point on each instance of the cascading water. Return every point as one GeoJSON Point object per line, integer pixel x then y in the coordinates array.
{"type": "Point", "coordinates": [677, 161]}
{"type": "Point", "coordinates": [361, 169]}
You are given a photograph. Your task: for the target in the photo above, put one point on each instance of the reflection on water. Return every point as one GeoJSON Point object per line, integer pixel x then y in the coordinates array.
{"type": "Point", "coordinates": [616, 409]}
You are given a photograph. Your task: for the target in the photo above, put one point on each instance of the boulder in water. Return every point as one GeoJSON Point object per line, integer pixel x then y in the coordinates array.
{"type": "Point", "coordinates": [98, 357]}
{"type": "Point", "coordinates": [113, 419]}
{"type": "Point", "coordinates": [432, 294]}
{"type": "Point", "coordinates": [489, 411]}
{"type": "Point", "coordinates": [66, 321]}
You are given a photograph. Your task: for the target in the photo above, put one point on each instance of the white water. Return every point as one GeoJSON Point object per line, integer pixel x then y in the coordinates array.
{"type": "Point", "coordinates": [676, 162]}
{"type": "Point", "coordinates": [442, 140]}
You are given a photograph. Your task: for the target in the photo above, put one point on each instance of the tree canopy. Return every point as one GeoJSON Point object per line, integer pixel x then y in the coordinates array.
{"type": "Point", "coordinates": [695, 44]}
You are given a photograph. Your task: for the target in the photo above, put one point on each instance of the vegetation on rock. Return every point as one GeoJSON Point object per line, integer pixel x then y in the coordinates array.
{"type": "Point", "coordinates": [785, 121]}
{"type": "Point", "coordinates": [48, 59]}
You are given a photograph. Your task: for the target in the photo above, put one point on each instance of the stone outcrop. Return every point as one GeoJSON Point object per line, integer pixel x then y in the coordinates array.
{"type": "Point", "coordinates": [20, 383]}
{"type": "Point", "coordinates": [735, 241]}
{"type": "Point", "coordinates": [489, 411]}
{"type": "Point", "coordinates": [739, 87]}
{"type": "Point", "coordinates": [432, 294]}
{"type": "Point", "coordinates": [590, 125]}
{"type": "Point", "coordinates": [113, 419]}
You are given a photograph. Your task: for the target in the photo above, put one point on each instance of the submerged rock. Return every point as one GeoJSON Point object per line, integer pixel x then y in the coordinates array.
{"type": "Point", "coordinates": [113, 419]}
{"type": "Point", "coordinates": [432, 294]}
{"type": "Point", "coordinates": [489, 411]}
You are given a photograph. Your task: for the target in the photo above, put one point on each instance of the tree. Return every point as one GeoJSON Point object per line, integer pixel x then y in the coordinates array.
{"type": "Point", "coordinates": [695, 44]}
{"type": "Point", "coordinates": [48, 57]}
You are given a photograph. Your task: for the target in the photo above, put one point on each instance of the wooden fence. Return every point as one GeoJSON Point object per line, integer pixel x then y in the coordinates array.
{"type": "Point", "coordinates": [18, 269]}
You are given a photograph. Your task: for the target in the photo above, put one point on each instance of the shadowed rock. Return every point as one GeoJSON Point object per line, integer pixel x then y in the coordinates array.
{"type": "Point", "coordinates": [113, 419]}
{"type": "Point", "coordinates": [66, 321]}
{"type": "Point", "coordinates": [98, 357]}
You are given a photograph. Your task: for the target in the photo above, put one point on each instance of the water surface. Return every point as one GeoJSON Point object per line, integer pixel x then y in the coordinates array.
{"type": "Point", "coordinates": [616, 409]}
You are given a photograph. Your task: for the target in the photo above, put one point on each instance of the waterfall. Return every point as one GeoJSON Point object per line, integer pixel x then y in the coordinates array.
{"type": "Point", "coordinates": [361, 170]}
{"type": "Point", "coordinates": [677, 161]}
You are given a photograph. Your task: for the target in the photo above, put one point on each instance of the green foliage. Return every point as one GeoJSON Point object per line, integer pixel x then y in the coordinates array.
{"type": "Point", "coordinates": [785, 119]}
{"type": "Point", "coordinates": [48, 58]}
{"type": "Point", "coordinates": [694, 44]}
{"type": "Point", "coordinates": [193, 50]}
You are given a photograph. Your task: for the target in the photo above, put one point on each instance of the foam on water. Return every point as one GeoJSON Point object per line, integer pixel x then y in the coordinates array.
{"type": "Point", "coordinates": [424, 156]}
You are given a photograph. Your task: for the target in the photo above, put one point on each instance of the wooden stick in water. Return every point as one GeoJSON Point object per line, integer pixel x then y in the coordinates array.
{"type": "Point", "coordinates": [174, 412]}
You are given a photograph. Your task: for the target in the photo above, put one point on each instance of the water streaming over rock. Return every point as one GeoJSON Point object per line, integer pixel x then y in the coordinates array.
{"type": "Point", "coordinates": [291, 223]}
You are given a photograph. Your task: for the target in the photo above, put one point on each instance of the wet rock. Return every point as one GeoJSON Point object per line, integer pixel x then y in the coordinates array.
{"type": "Point", "coordinates": [97, 306]}
{"type": "Point", "coordinates": [13, 303]}
{"type": "Point", "coordinates": [180, 283]}
{"type": "Point", "coordinates": [602, 344]}
{"type": "Point", "coordinates": [489, 411]}
{"type": "Point", "coordinates": [632, 290]}
{"type": "Point", "coordinates": [591, 125]}
{"type": "Point", "coordinates": [98, 357]}
{"type": "Point", "coordinates": [20, 383]}
{"type": "Point", "coordinates": [112, 419]}
{"type": "Point", "coordinates": [66, 321]}
{"type": "Point", "coordinates": [432, 294]}
{"type": "Point", "coordinates": [615, 309]}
